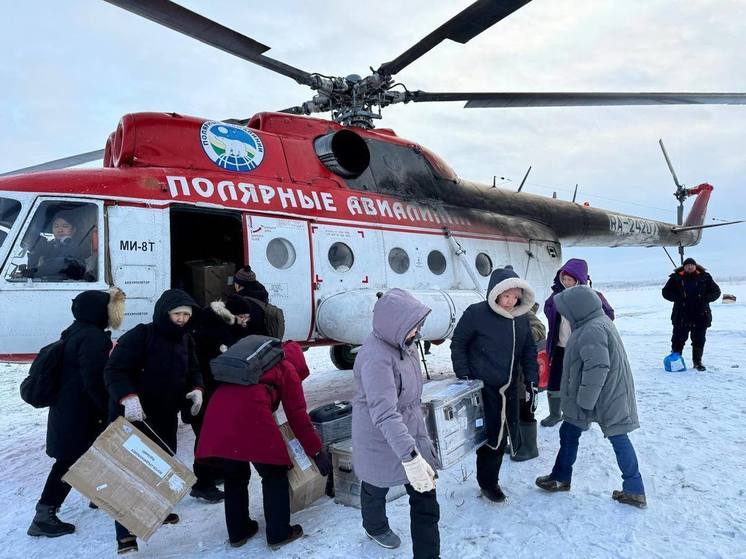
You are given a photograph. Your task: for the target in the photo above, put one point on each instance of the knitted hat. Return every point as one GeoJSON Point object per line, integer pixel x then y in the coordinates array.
{"type": "Point", "coordinates": [690, 261]}
{"type": "Point", "coordinates": [244, 276]}
{"type": "Point", "coordinates": [182, 308]}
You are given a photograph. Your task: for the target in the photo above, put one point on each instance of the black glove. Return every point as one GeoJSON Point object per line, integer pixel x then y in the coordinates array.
{"type": "Point", "coordinates": [322, 462]}
{"type": "Point", "coordinates": [531, 396]}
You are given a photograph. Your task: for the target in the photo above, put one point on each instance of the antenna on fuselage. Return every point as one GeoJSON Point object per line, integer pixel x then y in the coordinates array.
{"type": "Point", "coordinates": [524, 178]}
{"type": "Point", "coordinates": [575, 194]}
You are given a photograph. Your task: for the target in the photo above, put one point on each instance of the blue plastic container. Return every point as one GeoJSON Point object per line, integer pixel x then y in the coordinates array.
{"type": "Point", "coordinates": [674, 363]}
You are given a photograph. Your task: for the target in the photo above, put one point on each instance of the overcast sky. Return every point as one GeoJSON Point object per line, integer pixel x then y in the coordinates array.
{"type": "Point", "coordinates": [69, 70]}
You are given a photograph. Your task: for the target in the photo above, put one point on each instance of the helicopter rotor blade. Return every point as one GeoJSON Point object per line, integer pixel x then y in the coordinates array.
{"type": "Point", "coordinates": [577, 99]}
{"type": "Point", "coordinates": [62, 163]}
{"type": "Point", "coordinates": [461, 28]}
{"type": "Point", "coordinates": [187, 22]}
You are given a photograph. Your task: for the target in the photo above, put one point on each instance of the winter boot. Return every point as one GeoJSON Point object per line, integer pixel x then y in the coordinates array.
{"type": "Point", "coordinates": [46, 523]}
{"type": "Point", "coordinates": [388, 539]}
{"type": "Point", "coordinates": [555, 410]}
{"type": "Point", "coordinates": [494, 494]}
{"type": "Point", "coordinates": [548, 483]}
{"type": "Point", "coordinates": [172, 518]}
{"type": "Point", "coordinates": [209, 494]}
{"type": "Point", "coordinates": [296, 531]}
{"type": "Point", "coordinates": [251, 531]}
{"type": "Point", "coordinates": [697, 358]}
{"type": "Point", "coordinates": [125, 545]}
{"type": "Point", "coordinates": [633, 499]}
{"type": "Point", "coordinates": [528, 449]}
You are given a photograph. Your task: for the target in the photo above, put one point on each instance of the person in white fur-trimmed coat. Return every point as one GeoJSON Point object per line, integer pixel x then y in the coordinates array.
{"type": "Point", "coordinates": [491, 340]}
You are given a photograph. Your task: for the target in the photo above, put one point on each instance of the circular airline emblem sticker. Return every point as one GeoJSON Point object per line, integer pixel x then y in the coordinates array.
{"type": "Point", "coordinates": [231, 147]}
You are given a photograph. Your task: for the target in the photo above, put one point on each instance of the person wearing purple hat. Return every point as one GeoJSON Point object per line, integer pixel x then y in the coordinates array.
{"type": "Point", "coordinates": [573, 272]}
{"type": "Point", "coordinates": [691, 289]}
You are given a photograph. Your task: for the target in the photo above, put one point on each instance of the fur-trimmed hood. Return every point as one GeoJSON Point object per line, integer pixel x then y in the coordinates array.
{"type": "Point", "coordinates": [103, 309]}
{"type": "Point", "coordinates": [503, 279]}
{"type": "Point", "coordinates": [115, 308]}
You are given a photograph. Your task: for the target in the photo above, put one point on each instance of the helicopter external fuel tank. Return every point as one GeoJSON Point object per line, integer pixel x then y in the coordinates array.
{"type": "Point", "coordinates": [348, 317]}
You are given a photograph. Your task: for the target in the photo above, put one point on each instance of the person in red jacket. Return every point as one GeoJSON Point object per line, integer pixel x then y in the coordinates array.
{"type": "Point", "coordinates": [239, 428]}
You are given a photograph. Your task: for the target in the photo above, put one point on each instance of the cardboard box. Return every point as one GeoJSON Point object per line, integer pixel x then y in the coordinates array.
{"type": "Point", "coordinates": [131, 478]}
{"type": "Point", "coordinates": [306, 483]}
{"type": "Point", "coordinates": [209, 280]}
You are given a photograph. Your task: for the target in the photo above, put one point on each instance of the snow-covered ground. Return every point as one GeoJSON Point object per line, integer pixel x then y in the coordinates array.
{"type": "Point", "coordinates": [691, 448]}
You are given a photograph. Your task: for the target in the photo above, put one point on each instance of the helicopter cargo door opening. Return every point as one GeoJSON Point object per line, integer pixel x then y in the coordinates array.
{"type": "Point", "coordinates": [207, 247]}
{"type": "Point", "coordinates": [279, 253]}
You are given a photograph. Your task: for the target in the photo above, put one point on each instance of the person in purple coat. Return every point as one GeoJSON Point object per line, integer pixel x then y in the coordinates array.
{"type": "Point", "coordinates": [573, 272]}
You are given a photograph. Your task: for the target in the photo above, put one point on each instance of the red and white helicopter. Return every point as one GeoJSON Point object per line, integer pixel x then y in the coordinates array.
{"type": "Point", "coordinates": [327, 212]}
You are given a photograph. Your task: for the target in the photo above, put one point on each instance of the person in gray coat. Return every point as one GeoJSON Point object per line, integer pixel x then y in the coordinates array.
{"type": "Point", "coordinates": [597, 387]}
{"type": "Point", "coordinates": [390, 443]}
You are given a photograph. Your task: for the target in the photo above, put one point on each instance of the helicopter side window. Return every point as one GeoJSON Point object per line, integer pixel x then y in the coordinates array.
{"type": "Point", "coordinates": [281, 253]}
{"type": "Point", "coordinates": [341, 257]}
{"type": "Point", "coordinates": [399, 260]}
{"type": "Point", "coordinates": [9, 210]}
{"type": "Point", "coordinates": [484, 264]}
{"type": "Point", "coordinates": [436, 262]}
{"type": "Point", "coordinates": [60, 245]}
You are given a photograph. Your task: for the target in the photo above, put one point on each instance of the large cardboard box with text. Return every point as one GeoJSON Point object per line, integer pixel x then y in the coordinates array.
{"type": "Point", "coordinates": [306, 483]}
{"type": "Point", "coordinates": [131, 478]}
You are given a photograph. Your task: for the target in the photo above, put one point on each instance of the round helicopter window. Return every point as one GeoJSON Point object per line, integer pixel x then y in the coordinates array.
{"type": "Point", "coordinates": [399, 260]}
{"type": "Point", "coordinates": [483, 264]}
{"type": "Point", "coordinates": [436, 262]}
{"type": "Point", "coordinates": [341, 257]}
{"type": "Point", "coordinates": [281, 253]}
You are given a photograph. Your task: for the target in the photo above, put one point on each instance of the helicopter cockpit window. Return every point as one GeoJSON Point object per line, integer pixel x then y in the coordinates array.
{"type": "Point", "coordinates": [399, 260]}
{"type": "Point", "coordinates": [484, 264]}
{"type": "Point", "coordinates": [281, 253]}
{"type": "Point", "coordinates": [436, 262]}
{"type": "Point", "coordinates": [60, 245]}
{"type": "Point", "coordinates": [9, 210]}
{"type": "Point", "coordinates": [341, 257]}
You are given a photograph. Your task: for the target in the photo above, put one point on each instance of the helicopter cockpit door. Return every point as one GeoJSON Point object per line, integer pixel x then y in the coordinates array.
{"type": "Point", "coordinates": [279, 253]}
{"type": "Point", "coordinates": [139, 256]}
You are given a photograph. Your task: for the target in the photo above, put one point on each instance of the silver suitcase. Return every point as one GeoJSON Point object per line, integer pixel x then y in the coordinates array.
{"type": "Point", "coordinates": [454, 415]}
{"type": "Point", "coordinates": [346, 483]}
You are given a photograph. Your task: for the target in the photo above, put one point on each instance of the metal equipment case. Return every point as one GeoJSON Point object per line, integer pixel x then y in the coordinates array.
{"type": "Point", "coordinates": [454, 415]}
{"type": "Point", "coordinates": [346, 483]}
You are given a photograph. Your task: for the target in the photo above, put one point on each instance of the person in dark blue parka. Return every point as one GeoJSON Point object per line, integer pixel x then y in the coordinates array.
{"type": "Point", "coordinates": [491, 340]}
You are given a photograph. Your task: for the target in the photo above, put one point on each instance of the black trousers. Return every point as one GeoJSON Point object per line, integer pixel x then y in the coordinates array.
{"type": "Point", "coordinates": [275, 496]}
{"type": "Point", "coordinates": [682, 332]}
{"type": "Point", "coordinates": [489, 462]}
{"type": "Point", "coordinates": [206, 473]}
{"type": "Point", "coordinates": [555, 369]}
{"type": "Point", "coordinates": [424, 514]}
{"type": "Point", "coordinates": [55, 490]}
{"type": "Point", "coordinates": [163, 433]}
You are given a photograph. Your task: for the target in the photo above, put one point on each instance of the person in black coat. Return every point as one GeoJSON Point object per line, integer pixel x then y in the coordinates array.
{"type": "Point", "coordinates": [221, 324]}
{"type": "Point", "coordinates": [691, 289]}
{"type": "Point", "coordinates": [490, 341]}
{"type": "Point", "coordinates": [78, 415]}
{"type": "Point", "coordinates": [151, 372]}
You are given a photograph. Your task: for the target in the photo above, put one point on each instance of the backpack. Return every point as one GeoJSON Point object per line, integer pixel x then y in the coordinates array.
{"type": "Point", "coordinates": [41, 386]}
{"type": "Point", "coordinates": [274, 318]}
{"type": "Point", "coordinates": [247, 360]}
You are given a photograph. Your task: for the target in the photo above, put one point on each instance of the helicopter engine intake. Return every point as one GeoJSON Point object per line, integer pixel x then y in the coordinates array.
{"type": "Point", "coordinates": [343, 152]}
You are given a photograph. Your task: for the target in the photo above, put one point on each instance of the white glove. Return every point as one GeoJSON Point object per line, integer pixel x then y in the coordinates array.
{"type": "Point", "coordinates": [132, 408]}
{"type": "Point", "coordinates": [196, 397]}
{"type": "Point", "coordinates": [420, 475]}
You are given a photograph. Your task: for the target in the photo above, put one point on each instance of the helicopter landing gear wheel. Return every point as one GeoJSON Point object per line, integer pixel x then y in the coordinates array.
{"type": "Point", "coordinates": [342, 356]}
